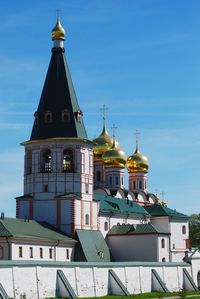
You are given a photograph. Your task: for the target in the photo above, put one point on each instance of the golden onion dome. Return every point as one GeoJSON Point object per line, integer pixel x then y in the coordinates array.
{"type": "Point", "coordinates": [114, 157]}
{"type": "Point", "coordinates": [58, 32]}
{"type": "Point", "coordinates": [102, 144]}
{"type": "Point", "coordinates": [137, 163]}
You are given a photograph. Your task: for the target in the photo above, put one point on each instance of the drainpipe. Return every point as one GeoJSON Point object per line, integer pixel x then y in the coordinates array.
{"type": "Point", "coordinates": [9, 248]}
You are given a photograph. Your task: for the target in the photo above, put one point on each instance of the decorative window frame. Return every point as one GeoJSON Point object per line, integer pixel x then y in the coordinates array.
{"type": "Point", "coordinates": [47, 116]}
{"type": "Point", "coordinates": [36, 115]}
{"type": "Point", "coordinates": [65, 168]}
{"type": "Point", "coordinates": [65, 116]}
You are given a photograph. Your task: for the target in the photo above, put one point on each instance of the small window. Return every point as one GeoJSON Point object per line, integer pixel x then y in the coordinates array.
{"type": "Point", "coordinates": [20, 251]}
{"type": "Point", "coordinates": [47, 161]}
{"type": "Point", "coordinates": [87, 219]}
{"type": "Point", "coordinates": [86, 188]}
{"type": "Point", "coordinates": [31, 252]}
{"type": "Point", "coordinates": [117, 180]}
{"type": "Point", "coordinates": [68, 161]}
{"type": "Point", "coordinates": [106, 226]}
{"type": "Point", "coordinates": [98, 176]}
{"type": "Point", "coordinates": [36, 115]}
{"type": "Point", "coordinates": [183, 229]}
{"type": "Point", "coordinates": [65, 116]}
{"type": "Point", "coordinates": [110, 180]}
{"type": "Point", "coordinates": [163, 259]}
{"type": "Point", "coordinates": [79, 115]}
{"type": "Point", "coordinates": [122, 180]}
{"type": "Point", "coordinates": [41, 253]}
{"type": "Point", "coordinates": [45, 188]}
{"type": "Point", "coordinates": [140, 184]}
{"type": "Point", "coordinates": [173, 246]}
{"type": "Point", "coordinates": [100, 254]}
{"type": "Point", "coordinates": [1, 252]}
{"type": "Point", "coordinates": [67, 254]}
{"type": "Point", "coordinates": [118, 223]}
{"type": "Point", "coordinates": [163, 243]}
{"type": "Point", "coordinates": [48, 116]}
{"type": "Point", "coordinates": [50, 253]}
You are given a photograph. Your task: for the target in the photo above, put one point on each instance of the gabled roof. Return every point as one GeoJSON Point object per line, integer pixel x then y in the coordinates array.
{"type": "Point", "coordinates": [58, 94]}
{"type": "Point", "coordinates": [15, 227]}
{"type": "Point", "coordinates": [119, 205]}
{"type": "Point", "coordinates": [158, 210]}
{"type": "Point", "coordinates": [137, 229]}
{"type": "Point", "coordinates": [91, 244]}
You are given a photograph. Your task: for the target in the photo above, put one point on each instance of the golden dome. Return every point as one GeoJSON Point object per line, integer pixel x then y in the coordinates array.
{"type": "Point", "coordinates": [137, 162]}
{"type": "Point", "coordinates": [114, 157]}
{"type": "Point", "coordinates": [58, 32]}
{"type": "Point", "coordinates": [102, 144]}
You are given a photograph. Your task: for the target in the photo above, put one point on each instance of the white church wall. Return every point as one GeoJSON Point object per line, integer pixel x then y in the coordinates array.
{"type": "Point", "coordinates": [60, 252]}
{"type": "Point", "coordinates": [133, 248]}
{"type": "Point", "coordinates": [163, 248]}
{"type": "Point", "coordinates": [162, 222]}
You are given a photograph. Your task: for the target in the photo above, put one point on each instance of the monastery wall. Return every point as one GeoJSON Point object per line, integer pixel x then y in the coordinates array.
{"type": "Point", "coordinates": [41, 280]}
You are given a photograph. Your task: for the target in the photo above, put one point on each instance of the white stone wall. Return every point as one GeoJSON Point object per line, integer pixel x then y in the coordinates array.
{"type": "Point", "coordinates": [36, 281]}
{"type": "Point", "coordinates": [136, 248]}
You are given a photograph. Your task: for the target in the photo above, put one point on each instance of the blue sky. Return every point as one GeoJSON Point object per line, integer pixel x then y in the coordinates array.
{"type": "Point", "coordinates": [139, 57]}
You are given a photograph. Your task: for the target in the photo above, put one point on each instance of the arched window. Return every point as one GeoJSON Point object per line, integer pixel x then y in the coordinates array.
{"type": "Point", "coordinates": [98, 176]}
{"type": "Point", "coordinates": [36, 115]}
{"type": "Point", "coordinates": [47, 161]}
{"type": "Point", "coordinates": [163, 259]}
{"type": "Point", "coordinates": [65, 115]}
{"type": "Point", "coordinates": [29, 162]}
{"type": "Point", "coordinates": [1, 252]}
{"type": "Point", "coordinates": [183, 229]}
{"type": "Point", "coordinates": [68, 161]}
{"type": "Point", "coordinates": [110, 180]}
{"type": "Point", "coordinates": [163, 243]}
{"type": "Point", "coordinates": [140, 184]}
{"type": "Point", "coordinates": [106, 226]}
{"type": "Point", "coordinates": [87, 219]}
{"type": "Point", "coordinates": [48, 116]}
{"type": "Point", "coordinates": [117, 180]}
{"type": "Point", "coordinates": [79, 115]}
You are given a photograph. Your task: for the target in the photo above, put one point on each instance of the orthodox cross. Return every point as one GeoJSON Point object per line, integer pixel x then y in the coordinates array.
{"type": "Point", "coordinates": [113, 128]}
{"type": "Point", "coordinates": [104, 109]}
{"type": "Point", "coordinates": [162, 195]}
{"type": "Point", "coordinates": [137, 134]}
{"type": "Point", "coordinates": [58, 13]}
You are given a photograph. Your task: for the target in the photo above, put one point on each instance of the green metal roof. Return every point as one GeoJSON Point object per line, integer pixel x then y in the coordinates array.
{"type": "Point", "coordinates": [119, 205]}
{"type": "Point", "coordinates": [136, 229]}
{"type": "Point", "coordinates": [58, 94]}
{"type": "Point", "coordinates": [15, 227]}
{"type": "Point", "coordinates": [91, 244]}
{"type": "Point", "coordinates": [158, 210]}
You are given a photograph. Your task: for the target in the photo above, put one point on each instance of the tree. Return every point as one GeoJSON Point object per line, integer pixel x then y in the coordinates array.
{"type": "Point", "coordinates": [194, 227]}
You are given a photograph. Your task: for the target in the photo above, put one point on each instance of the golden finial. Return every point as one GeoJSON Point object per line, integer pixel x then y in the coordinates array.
{"type": "Point", "coordinates": [58, 32]}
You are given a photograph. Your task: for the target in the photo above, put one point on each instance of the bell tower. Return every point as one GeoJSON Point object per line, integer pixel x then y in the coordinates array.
{"type": "Point", "coordinates": [58, 164]}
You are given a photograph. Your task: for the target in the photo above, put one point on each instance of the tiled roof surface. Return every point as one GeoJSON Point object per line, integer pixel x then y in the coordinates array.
{"type": "Point", "coordinates": [58, 94]}
{"type": "Point", "coordinates": [92, 243]}
{"type": "Point", "coordinates": [15, 227]}
{"type": "Point", "coordinates": [118, 205]}
{"type": "Point", "coordinates": [146, 228]}
{"type": "Point", "coordinates": [158, 210]}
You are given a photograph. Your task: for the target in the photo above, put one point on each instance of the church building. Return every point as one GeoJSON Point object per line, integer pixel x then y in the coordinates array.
{"type": "Point", "coordinates": [75, 204]}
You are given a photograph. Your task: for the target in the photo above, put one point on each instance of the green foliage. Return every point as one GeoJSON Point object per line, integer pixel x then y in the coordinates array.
{"type": "Point", "coordinates": [194, 227]}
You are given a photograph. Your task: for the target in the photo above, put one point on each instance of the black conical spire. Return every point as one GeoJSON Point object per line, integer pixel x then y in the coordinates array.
{"type": "Point", "coordinates": [58, 113]}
